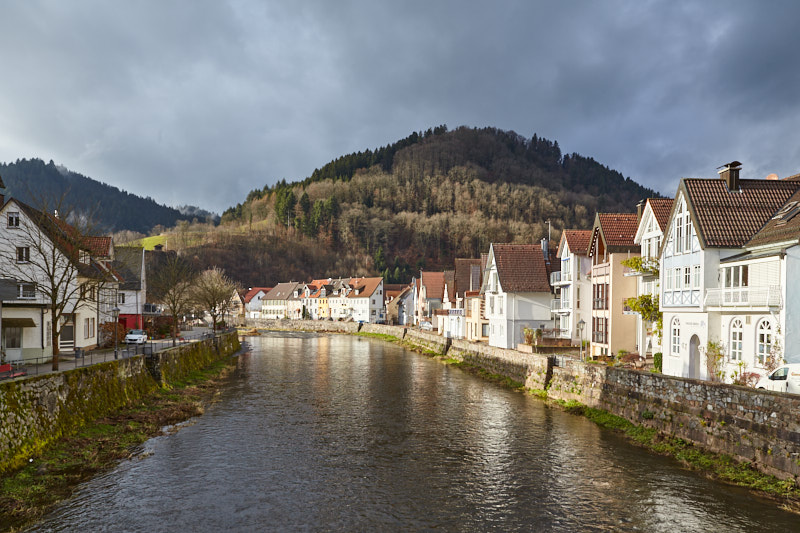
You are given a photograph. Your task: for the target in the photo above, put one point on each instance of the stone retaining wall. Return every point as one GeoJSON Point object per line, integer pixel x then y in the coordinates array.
{"type": "Point", "coordinates": [37, 410]}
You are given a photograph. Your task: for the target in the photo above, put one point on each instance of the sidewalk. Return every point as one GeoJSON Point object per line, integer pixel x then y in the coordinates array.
{"type": "Point", "coordinates": [69, 360]}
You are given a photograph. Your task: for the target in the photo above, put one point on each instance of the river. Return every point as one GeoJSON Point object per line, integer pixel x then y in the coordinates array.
{"type": "Point", "coordinates": [341, 433]}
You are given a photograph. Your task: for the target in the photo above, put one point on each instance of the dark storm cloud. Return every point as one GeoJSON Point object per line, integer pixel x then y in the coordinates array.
{"type": "Point", "coordinates": [200, 102]}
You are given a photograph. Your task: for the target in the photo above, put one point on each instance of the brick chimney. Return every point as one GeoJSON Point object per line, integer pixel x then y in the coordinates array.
{"type": "Point", "coordinates": [730, 175]}
{"type": "Point", "coordinates": [640, 210]}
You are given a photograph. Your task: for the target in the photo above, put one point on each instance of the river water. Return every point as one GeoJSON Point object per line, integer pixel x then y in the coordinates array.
{"type": "Point", "coordinates": [340, 433]}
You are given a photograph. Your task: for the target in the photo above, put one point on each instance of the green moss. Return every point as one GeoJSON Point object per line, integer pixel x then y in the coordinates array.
{"type": "Point", "coordinates": [381, 336]}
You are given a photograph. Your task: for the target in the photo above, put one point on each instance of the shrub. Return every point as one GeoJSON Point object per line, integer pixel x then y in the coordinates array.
{"type": "Point", "coordinates": [658, 361]}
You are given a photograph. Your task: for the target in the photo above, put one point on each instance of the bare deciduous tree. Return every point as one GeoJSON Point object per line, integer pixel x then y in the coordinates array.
{"type": "Point", "coordinates": [214, 292]}
{"type": "Point", "coordinates": [172, 285]}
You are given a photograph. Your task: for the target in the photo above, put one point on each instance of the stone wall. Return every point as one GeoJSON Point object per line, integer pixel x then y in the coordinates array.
{"type": "Point", "coordinates": [526, 368]}
{"type": "Point", "coordinates": [751, 425]}
{"type": "Point", "coordinates": [37, 410]}
{"type": "Point", "coordinates": [332, 326]}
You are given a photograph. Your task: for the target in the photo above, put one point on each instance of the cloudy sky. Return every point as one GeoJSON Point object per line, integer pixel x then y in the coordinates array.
{"type": "Point", "coordinates": [201, 101]}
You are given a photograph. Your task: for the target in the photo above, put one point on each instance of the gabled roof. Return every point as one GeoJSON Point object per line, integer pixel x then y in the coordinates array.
{"type": "Point", "coordinates": [782, 227]}
{"type": "Point", "coordinates": [521, 267]}
{"type": "Point", "coordinates": [434, 284]}
{"type": "Point", "coordinates": [249, 295]}
{"type": "Point", "coordinates": [364, 286]}
{"type": "Point", "coordinates": [282, 291]}
{"type": "Point", "coordinates": [661, 209]}
{"type": "Point", "coordinates": [467, 276]}
{"type": "Point", "coordinates": [617, 230]}
{"type": "Point", "coordinates": [729, 219]}
{"type": "Point", "coordinates": [578, 240]}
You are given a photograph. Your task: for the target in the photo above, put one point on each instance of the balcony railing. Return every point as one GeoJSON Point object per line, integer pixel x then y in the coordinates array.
{"type": "Point", "coordinates": [555, 277]}
{"type": "Point", "coordinates": [770, 296]}
{"type": "Point", "coordinates": [555, 305]}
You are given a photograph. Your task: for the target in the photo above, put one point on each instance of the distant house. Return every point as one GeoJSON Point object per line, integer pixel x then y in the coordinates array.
{"type": "Point", "coordinates": [393, 294]}
{"type": "Point", "coordinates": [613, 323]}
{"type": "Point", "coordinates": [649, 235]}
{"type": "Point", "coordinates": [366, 300]}
{"type": "Point", "coordinates": [477, 325]}
{"type": "Point", "coordinates": [430, 294]}
{"type": "Point", "coordinates": [573, 286]}
{"type": "Point", "coordinates": [130, 264]}
{"type": "Point", "coordinates": [274, 304]}
{"type": "Point", "coordinates": [252, 301]}
{"type": "Point", "coordinates": [465, 278]}
{"type": "Point", "coordinates": [516, 286]}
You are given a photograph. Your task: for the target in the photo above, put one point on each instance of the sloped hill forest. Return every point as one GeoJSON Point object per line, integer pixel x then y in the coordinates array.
{"type": "Point", "coordinates": [33, 181]}
{"type": "Point", "coordinates": [417, 203]}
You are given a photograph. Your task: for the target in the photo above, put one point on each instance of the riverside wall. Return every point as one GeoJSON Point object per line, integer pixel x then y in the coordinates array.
{"type": "Point", "coordinates": [37, 410]}
{"type": "Point", "coordinates": [756, 426]}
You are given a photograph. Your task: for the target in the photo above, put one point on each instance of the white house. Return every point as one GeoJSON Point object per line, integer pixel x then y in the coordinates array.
{"type": "Point", "coordinates": [37, 246]}
{"type": "Point", "coordinates": [710, 291]}
{"type": "Point", "coordinates": [517, 292]}
{"type": "Point", "coordinates": [252, 301]}
{"type": "Point", "coordinates": [274, 303]}
{"type": "Point", "coordinates": [129, 262]}
{"type": "Point", "coordinates": [573, 286]}
{"type": "Point", "coordinates": [366, 300]}
{"type": "Point", "coordinates": [653, 220]}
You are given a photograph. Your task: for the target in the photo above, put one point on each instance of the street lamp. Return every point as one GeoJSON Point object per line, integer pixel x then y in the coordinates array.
{"type": "Point", "coordinates": [581, 325]}
{"type": "Point", "coordinates": [115, 312]}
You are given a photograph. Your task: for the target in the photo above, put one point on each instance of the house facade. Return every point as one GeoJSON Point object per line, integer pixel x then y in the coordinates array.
{"type": "Point", "coordinates": [252, 301]}
{"type": "Point", "coordinates": [712, 289]}
{"type": "Point", "coordinates": [132, 294]}
{"type": "Point", "coordinates": [613, 323]}
{"type": "Point", "coordinates": [516, 287]}
{"type": "Point", "coordinates": [274, 304]}
{"type": "Point", "coordinates": [649, 235]}
{"type": "Point", "coordinates": [573, 286]}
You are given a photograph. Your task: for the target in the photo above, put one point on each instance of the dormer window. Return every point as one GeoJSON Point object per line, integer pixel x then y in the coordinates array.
{"type": "Point", "coordinates": [84, 257]}
{"type": "Point", "coordinates": [13, 219]}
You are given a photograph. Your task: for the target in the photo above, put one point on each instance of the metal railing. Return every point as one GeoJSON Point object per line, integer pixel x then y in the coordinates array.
{"type": "Point", "coordinates": [555, 277]}
{"type": "Point", "coordinates": [34, 366]}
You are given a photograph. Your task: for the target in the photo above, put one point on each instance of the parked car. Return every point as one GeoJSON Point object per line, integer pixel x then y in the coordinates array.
{"type": "Point", "coordinates": [785, 378]}
{"type": "Point", "coordinates": [136, 336]}
{"type": "Point", "coordinates": [426, 326]}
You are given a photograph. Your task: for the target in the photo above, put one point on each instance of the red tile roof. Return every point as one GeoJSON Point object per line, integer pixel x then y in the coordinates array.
{"type": "Point", "coordinates": [364, 286]}
{"type": "Point", "coordinates": [434, 284]}
{"type": "Point", "coordinates": [578, 240]}
{"type": "Point", "coordinates": [464, 281]}
{"type": "Point", "coordinates": [783, 226]}
{"type": "Point", "coordinates": [661, 207]}
{"type": "Point", "coordinates": [521, 267]}
{"type": "Point", "coordinates": [728, 219]}
{"type": "Point", "coordinates": [252, 292]}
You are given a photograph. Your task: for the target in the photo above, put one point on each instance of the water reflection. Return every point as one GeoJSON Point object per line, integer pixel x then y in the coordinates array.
{"type": "Point", "coordinates": [331, 433]}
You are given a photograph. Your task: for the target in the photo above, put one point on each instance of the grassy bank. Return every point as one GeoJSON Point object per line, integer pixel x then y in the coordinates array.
{"type": "Point", "coordinates": [52, 476]}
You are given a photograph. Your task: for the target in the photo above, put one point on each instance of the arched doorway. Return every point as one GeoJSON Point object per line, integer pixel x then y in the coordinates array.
{"type": "Point", "coordinates": [694, 357]}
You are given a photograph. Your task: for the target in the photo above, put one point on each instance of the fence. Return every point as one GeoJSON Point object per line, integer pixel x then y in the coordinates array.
{"type": "Point", "coordinates": [81, 358]}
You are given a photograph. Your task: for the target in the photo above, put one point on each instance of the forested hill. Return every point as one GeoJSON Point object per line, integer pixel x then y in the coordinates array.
{"type": "Point", "coordinates": [33, 180]}
{"type": "Point", "coordinates": [420, 202]}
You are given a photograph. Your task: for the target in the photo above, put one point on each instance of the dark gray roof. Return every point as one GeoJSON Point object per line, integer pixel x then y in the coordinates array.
{"type": "Point", "coordinates": [128, 262]}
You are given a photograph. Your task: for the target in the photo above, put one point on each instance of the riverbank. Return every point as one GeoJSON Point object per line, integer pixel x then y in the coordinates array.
{"type": "Point", "coordinates": [64, 428]}
{"type": "Point", "coordinates": [30, 492]}
{"type": "Point", "coordinates": [684, 419]}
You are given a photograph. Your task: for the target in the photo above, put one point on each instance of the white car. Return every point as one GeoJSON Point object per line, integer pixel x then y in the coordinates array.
{"type": "Point", "coordinates": [136, 336]}
{"type": "Point", "coordinates": [785, 378]}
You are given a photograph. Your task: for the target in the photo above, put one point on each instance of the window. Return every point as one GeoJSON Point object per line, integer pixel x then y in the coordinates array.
{"type": "Point", "coordinates": [121, 298]}
{"type": "Point", "coordinates": [13, 219]}
{"type": "Point", "coordinates": [687, 232]}
{"type": "Point", "coordinates": [23, 254]}
{"type": "Point", "coordinates": [26, 291]}
{"type": "Point", "coordinates": [48, 335]}
{"type": "Point", "coordinates": [764, 339]}
{"type": "Point", "coordinates": [84, 257]}
{"type": "Point", "coordinates": [687, 277]}
{"type": "Point", "coordinates": [500, 305]}
{"type": "Point", "coordinates": [677, 274]}
{"type": "Point", "coordinates": [577, 296]}
{"type": "Point", "coordinates": [667, 282]}
{"type": "Point", "coordinates": [736, 276]}
{"type": "Point", "coordinates": [679, 233]}
{"type": "Point", "coordinates": [736, 340]}
{"type": "Point", "coordinates": [696, 276]}
{"type": "Point", "coordinates": [675, 337]}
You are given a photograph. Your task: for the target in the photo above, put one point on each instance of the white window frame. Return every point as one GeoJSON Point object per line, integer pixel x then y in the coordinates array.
{"type": "Point", "coordinates": [13, 219]}
{"type": "Point", "coordinates": [675, 336]}
{"type": "Point", "coordinates": [736, 337]}
{"type": "Point", "coordinates": [764, 340]}
{"type": "Point", "coordinates": [23, 254]}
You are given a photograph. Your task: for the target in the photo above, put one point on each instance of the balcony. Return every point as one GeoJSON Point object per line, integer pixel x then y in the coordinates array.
{"type": "Point", "coordinates": [560, 278]}
{"type": "Point", "coordinates": [555, 305]}
{"type": "Point", "coordinates": [744, 297]}
{"type": "Point", "coordinates": [555, 277]}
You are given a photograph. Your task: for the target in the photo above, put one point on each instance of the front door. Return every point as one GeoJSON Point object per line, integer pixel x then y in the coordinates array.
{"type": "Point", "coordinates": [694, 357]}
{"type": "Point", "coordinates": [66, 341]}
{"type": "Point", "coordinates": [12, 344]}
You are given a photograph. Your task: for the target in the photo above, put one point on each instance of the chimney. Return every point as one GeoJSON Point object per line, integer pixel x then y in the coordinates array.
{"type": "Point", "coordinates": [640, 210]}
{"type": "Point", "coordinates": [730, 175]}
